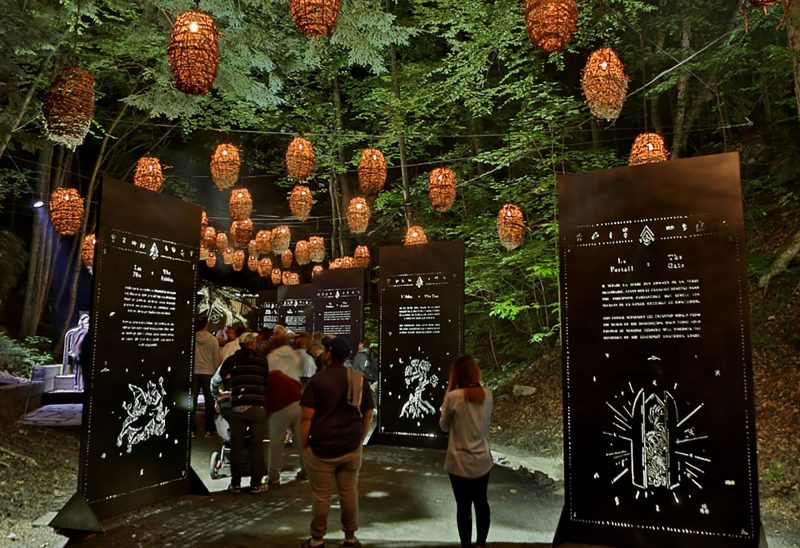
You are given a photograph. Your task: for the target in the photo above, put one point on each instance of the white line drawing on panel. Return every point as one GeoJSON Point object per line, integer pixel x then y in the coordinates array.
{"type": "Point", "coordinates": [647, 236]}
{"type": "Point", "coordinates": [146, 414]}
{"type": "Point", "coordinates": [417, 373]}
{"type": "Point", "coordinates": [653, 444]}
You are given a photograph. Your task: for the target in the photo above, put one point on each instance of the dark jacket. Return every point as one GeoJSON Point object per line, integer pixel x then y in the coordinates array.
{"type": "Point", "coordinates": [283, 390]}
{"type": "Point", "coordinates": [249, 377]}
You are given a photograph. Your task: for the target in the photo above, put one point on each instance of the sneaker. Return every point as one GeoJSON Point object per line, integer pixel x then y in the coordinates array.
{"type": "Point", "coordinates": [255, 489]}
{"type": "Point", "coordinates": [235, 489]}
{"type": "Point", "coordinates": [308, 544]}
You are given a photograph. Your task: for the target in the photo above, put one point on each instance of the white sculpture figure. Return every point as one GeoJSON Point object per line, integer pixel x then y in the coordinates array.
{"type": "Point", "coordinates": [417, 372]}
{"type": "Point", "coordinates": [146, 414]}
{"type": "Point", "coordinates": [72, 341]}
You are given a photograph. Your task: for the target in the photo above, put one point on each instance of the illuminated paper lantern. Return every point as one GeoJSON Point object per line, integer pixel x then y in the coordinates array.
{"type": "Point", "coordinates": [68, 107]}
{"type": "Point", "coordinates": [222, 241]}
{"type": "Point", "coordinates": [300, 159]}
{"type": "Point", "coordinates": [264, 267]}
{"type": "Point", "coordinates": [286, 258]}
{"type": "Point", "coordinates": [301, 253]}
{"type": "Point", "coordinates": [242, 231]}
{"type": "Point", "coordinates": [87, 251]}
{"type": "Point", "coordinates": [604, 83]}
{"type": "Point", "coordinates": [264, 241]}
{"type": "Point", "coordinates": [361, 256]}
{"type": "Point", "coordinates": [203, 225]}
{"type": "Point", "coordinates": [415, 236]}
{"type": "Point", "coordinates": [316, 248]}
{"type": "Point", "coordinates": [315, 17]}
{"type": "Point", "coordinates": [336, 263]}
{"type": "Point", "coordinates": [240, 206]}
{"type": "Point", "coordinates": [227, 255]}
{"type": "Point", "coordinates": [300, 202]}
{"type": "Point", "coordinates": [551, 23]}
{"type": "Point", "coordinates": [317, 270]}
{"type": "Point", "coordinates": [149, 174]}
{"type": "Point", "coordinates": [348, 262]}
{"type": "Point", "coordinates": [294, 279]}
{"type": "Point", "coordinates": [275, 276]}
{"type": "Point", "coordinates": [66, 211]}
{"type": "Point", "coordinates": [194, 52]}
{"type": "Point", "coordinates": [225, 165]}
{"type": "Point", "coordinates": [371, 171]}
{"type": "Point", "coordinates": [281, 238]}
{"type": "Point", "coordinates": [252, 263]}
{"type": "Point", "coordinates": [211, 260]}
{"type": "Point", "coordinates": [203, 252]}
{"type": "Point", "coordinates": [442, 188]}
{"type": "Point", "coordinates": [251, 248]}
{"type": "Point", "coordinates": [238, 260]}
{"type": "Point", "coordinates": [648, 148]}
{"type": "Point", "coordinates": [210, 237]}
{"type": "Point", "coordinates": [358, 215]}
{"type": "Point", "coordinates": [511, 226]}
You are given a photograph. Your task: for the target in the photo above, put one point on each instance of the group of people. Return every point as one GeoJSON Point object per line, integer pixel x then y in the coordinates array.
{"type": "Point", "coordinates": [317, 388]}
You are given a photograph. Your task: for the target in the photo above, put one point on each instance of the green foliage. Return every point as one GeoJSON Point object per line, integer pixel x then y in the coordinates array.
{"type": "Point", "coordinates": [19, 357]}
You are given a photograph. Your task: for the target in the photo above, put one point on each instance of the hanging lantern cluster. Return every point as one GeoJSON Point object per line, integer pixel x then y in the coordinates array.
{"type": "Point", "coordinates": [315, 17]}
{"type": "Point", "coordinates": [648, 148]}
{"type": "Point", "coordinates": [227, 255]}
{"type": "Point", "coordinates": [358, 215]}
{"type": "Point", "coordinates": [87, 251]}
{"type": "Point", "coordinates": [194, 52]}
{"type": "Point", "coordinates": [203, 252]}
{"type": "Point", "coordinates": [604, 83]}
{"type": "Point", "coordinates": [242, 231]}
{"type": "Point", "coordinates": [316, 248]}
{"type": "Point", "coordinates": [66, 211]}
{"type": "Point", "coordinates": [300, 159]}
{"type": "Point", "coordinates": [68, 107]}
{"type": "Point", "coordinates": [511, 226]}
{"type": "Point", "coordinates": [275, 276]}
{"type": "Point", "coordinates": [264, 267]}
{"type": "Point", "coordinates": [251, 248]}
{"type": "Point", "coordinates": [149, 174]}
{"type": "Point", "coordinates": [281, 238]}
{"type": "Point", "coordinates": [210, 237]}
{"type": "Point", "coordinates": [442, 188]}
{"type": "Point", "coordinates": [551, 23]}
{"type": "Point", "coordinates": [300, 202]}
{"type": "Point", "coordinates": [225, 165]}
{"type": "Point", "coordinates": [286, 258]}
{"type": "Point", "coordinates": [252, 263]}
{"type": "Point", "coordinates": [361, 256]}
{"type": "Point", "coordinates": [291, 278]}
{"type": "Point", "coordinates": [348, 262]}
{"type": "Point", "coordinates": [211, 260]}
{"type": "Point", "coordinates": [264, 241]}
{"type": "Point", "coordinates": [371, 171]}
{"type": "Point", "coordinates": [415, 236]}
{"type": "Point", "coordinates": [302, 254]}
{"type": "Point", "coordinates": [336, 263]}
{"type": "Point", "coordinates": [222, 241]}
{"type": "Point", "coordinates": [240, 205]}
{"type": "Point", "coordinates": [203, 225]}
{"type": "Point", "coordinates": [317, 270]}
{"type": "Point", "coordinates": [238, 260]}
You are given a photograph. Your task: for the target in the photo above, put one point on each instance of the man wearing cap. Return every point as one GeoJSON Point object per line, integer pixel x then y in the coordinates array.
{"type": "Point", "coordinates": [337, 409]}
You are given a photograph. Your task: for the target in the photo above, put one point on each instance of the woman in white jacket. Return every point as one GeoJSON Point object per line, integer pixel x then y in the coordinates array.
{"type": "Point", "coordinates": [466, 415]}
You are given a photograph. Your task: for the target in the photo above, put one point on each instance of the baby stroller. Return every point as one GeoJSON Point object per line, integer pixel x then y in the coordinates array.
{"type": "Point", "coordinates": [221, 460]}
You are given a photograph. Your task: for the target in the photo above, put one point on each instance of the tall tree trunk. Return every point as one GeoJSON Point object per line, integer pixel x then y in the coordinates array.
{"type": "Point", "coordinates": [680, 136]}
{"type": "Point", "coordinates": [36, 280]}
{"type": "Point", "coordinates": [336, 218]}
{"type": "Point", "coordinates": [793, 30]}
{"type": "Point", "coordinates": [344, 188]}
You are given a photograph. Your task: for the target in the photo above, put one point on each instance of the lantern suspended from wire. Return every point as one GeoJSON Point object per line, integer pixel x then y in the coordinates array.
{"type": "Point", "coordinates": [264, 241]}
{"type": "Point", "coordinates": [361, 256]}
{"type": "Point", "coordinates": [225, 165]}
{"type": "Point", "coordinates": [290, 278]}
{"type": "Point", "coordinates": [604, 83]}
{"type": "Point", "coordinates": [281, 238]}
{"type": "Point", "coordinates": [314, 17]}
{"type": "Point", "coordinates": [203, 225]}
{"type": "Point", "coordinates": [194, 52]}
{"type": "Point", "coordinates": [371, 171]}
{"type": "Point", "coordinates": [301, 253]}
{"type": "Point", "coordinates": [358, 215]}
{"type": "Point", "coordinates": [300, 159]}
{"type": "Point", "coordinates": [68, 107]}
{"type": "Point", "coordinates": [252, 263]}
{"type": "Point", "coordinates": [415, 236]}
{"type": "Point", "coordinates": [316, 248]}
{"type": "Point", "coordinates": [300, 202]}
{"type": "Point", "coordinates": [240, 206]}
{"type": "Point", "coordinates": [511, 226]}
{"type": "Point", "coordinates": [149, 174]}
{"type": "Point", "coordinates": [286, 258]}
{"type": "Point", "coordinates": [203, 252]}
{"type": "Point", "coordinates": [551, 23]}
{"type": "Point", "coordinates": [211, 260]}
{"type": "Point", "coordinates": [264, 267]}
{"type": "Point", "coordinates": [221, 241]}
{"type": "Point", "coordinates": [317, 270]}
{"type": "Point", "coordinates": [348, 262]}
{"type": "Point", "coordinates": [66, 211]}
{"type": "Point", "coordinates": [648, 148]}
{"type": "Point", "coordinates": [336, 263]}
{"type": "Point", "coordinates": [227, 255]}
{"type": "Point", "coordinates": [275, 276]}
{"type": "Point", "coordinates": [251, 248]}
{"type": "Point", "coordinates": [442, 188]}
{"type": "Point", "coordinates": [87, 251]}
{"type": "Point", "coordinates": [238, 260]}
{"type": "Point", "coordinates": [242, 231]}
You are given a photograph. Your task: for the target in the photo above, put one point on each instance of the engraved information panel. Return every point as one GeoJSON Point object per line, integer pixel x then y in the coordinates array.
{"type": "Point", "coordinates": [267, 309]}
{"type": "Point", "coordinates": [422, 333]}
{"type": "Point", "coordinates": [339, 304]}
{"type": "Point", "coordinates": [135, 445]}
{"type": "Point", "coordinates": [295, 310]}
{"type": "Point", "coordinates": [658, 396]}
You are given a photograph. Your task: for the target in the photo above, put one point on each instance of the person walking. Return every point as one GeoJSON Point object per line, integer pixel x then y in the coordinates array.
{"type": "Point", "coordinates": [283, 406]}
{"type": "Point", "coordinates": [466, 415]}
{"type": "Point", "coordinates": [206, 361]}
{"type": "Point", "coordinates": [336, 407]}
{"type": "Point", "coordinates": [249, 381]}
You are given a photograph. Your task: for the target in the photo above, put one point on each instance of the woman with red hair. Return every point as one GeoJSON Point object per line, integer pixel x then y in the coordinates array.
{"type": "Point", "coordinates": [466, 415]}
